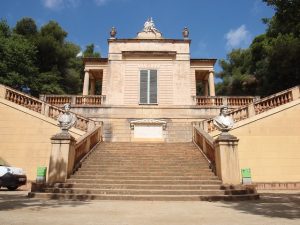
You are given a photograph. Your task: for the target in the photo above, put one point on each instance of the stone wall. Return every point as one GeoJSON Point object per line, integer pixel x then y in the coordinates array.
{"type": "Point", "coordinates": [25, 137]}
{"type": "Point", "coordinates": [269, 144]}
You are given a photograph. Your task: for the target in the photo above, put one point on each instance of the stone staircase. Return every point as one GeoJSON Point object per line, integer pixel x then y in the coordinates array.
{"type": "Point", "coordinates": [145, 171]}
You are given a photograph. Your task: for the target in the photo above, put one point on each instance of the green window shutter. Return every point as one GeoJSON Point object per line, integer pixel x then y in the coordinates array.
{"type": "Point", "coordinates": [143, 86]}
{"type": "Point", "coordinates": [153, 86]}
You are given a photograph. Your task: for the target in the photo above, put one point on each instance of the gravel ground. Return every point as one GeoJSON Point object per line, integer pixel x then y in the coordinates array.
{"type": "Point", "coordinates": [274, 208]}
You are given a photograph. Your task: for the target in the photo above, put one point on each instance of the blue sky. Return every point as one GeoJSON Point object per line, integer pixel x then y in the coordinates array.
{"type": "Point", "coordinates": [216, 26]}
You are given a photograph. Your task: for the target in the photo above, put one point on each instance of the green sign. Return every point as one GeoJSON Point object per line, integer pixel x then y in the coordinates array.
{"type": "Point", "coordinates": [246, 173]}
{"type": "Point", "coordinates": [41, 171]}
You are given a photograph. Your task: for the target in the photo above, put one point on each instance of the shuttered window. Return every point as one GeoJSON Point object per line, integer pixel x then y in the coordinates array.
{"type": "Point", "coordinates": [148, 86]}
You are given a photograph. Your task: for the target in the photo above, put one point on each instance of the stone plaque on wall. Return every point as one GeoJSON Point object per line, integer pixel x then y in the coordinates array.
{"type": "Point", "coordinates": [148, 131]}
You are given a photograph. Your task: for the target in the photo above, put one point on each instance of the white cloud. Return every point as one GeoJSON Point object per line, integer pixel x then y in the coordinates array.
{"type": "Point", "coordinates": [239, 37]}
{"type": "Point", "coordinates": [59, 4]}
{"type": "Point", "coordinates": [53, 4]}
{"type": "Point", "coordinates": [257, 7]}
{"type": "Point", "coordinates": [101, 2]}
{"type": "Point", "coordinates": [80, 54]}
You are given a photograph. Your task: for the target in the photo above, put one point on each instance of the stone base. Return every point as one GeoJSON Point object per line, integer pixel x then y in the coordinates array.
{"type": "Point", "coordinates": [38, 187]}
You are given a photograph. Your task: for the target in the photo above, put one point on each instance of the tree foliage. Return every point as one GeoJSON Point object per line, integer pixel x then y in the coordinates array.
{"type": "Point", "coordinates": [41, 59]}
{"type": "Point", "coordinates": [271, 63]}
{"type": "Point", "coordinates": [90, 51]}
{"type": "Point", "coordinates": [17, 58]}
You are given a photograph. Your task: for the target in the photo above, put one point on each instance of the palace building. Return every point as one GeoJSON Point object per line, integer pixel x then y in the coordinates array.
{"type": "Point", "coordinates": [145, 119]}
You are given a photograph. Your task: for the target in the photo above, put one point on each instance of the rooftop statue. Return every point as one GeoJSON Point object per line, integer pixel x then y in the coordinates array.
{"type": "Point", "coordinates": [66, 119]}
{"type": "Point", "coordinates": [149, 31]}
{"type": "Point", "coordinates": [149, 26]}
{"type": "Point", "coordinates": [223, 122]}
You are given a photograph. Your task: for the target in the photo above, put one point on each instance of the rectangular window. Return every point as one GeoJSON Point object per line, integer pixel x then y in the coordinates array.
{"type": "Point", "coordinates": [148, 86]}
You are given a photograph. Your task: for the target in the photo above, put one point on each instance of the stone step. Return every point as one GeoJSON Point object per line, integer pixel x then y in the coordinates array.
{"type": "Point", "coordinates": [63, 196]}
{"type": "Point", "coordinates": [138, 186]}
{"type": "Point", "coordinates": [145, 171]}
{"type": "Point", "coordinates": [191, 178]}
{"type": "Point", "coordinates": [148, 168]}
{"type": "Point", "coordinates": [139, 182]}
{"type": "Point", "coordinates": [132, 191]}
{"type": "Point", "coordinates": [137, 173]}
{"type": "Point", "coordinates": [148, 171]}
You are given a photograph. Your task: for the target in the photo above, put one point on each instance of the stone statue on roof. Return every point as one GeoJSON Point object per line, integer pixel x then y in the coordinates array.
{"type": "Point", "coordinates": [149, 31]}
{"type": "Point", "coordinates": [149, 26]}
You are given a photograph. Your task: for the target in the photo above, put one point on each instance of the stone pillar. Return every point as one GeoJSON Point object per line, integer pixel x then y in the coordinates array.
{"type": "Point", "coordinates": [227, 160]}
{"type": "Point", "coordinates": [62, 157]}
{"type": "Point", "coordinates": [93, 87]}
{"type": "Point", "coordinates": [86, 82]}
{"type": "Point", "coordinates": [211, 82]}
{"type": "Point", "coordinates": [205, 84]}
{"type": "Point", "coordinates": [2, 91]}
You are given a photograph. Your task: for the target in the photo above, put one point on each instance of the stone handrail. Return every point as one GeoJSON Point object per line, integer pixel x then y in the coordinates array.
{"type": "Point", "coordinates": [86, 143]}
{"type": "Point", "coordinates": [22, 99]}
{"type": "Point", "coordinates": [225, 100]}
{"type": "Point", "coordinates": [74, 99]}
{"type": "Point", "coordinates": [42, 107]}
{"type": "Point", "coordinates": [206, 143]}
{"type": "Point", "coordinates": [256, 108]}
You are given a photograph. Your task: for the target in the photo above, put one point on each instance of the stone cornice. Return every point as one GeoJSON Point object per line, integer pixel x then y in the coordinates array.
{"type": "Point", "coordinates": [94, 59]}
{"type": "Point", "coordinates": [149, 53]}
{"type": "Point", "coordinates": [149, 40]}
{"type": "Point", "coordinates": [148, 122]}
{"type": "Point", "coordinates": [203, 60]}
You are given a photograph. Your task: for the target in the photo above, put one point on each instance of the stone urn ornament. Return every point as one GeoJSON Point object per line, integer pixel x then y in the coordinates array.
{"type": "Point", "coordinates": [185, 33]}
{"type": "Point", "coordinates": [113, 33]}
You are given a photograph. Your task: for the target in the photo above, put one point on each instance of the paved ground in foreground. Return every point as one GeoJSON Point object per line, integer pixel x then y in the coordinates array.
{"type": "Point", "coordinates": [272, 208]}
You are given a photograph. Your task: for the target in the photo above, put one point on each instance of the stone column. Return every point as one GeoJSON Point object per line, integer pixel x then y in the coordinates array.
{"type": "Point", "coordinates": [205, 84]}
{"type": "Point", "coordinates": [93, 86]}
{"type": "Point", "coordinates": [211, 82]}
{"type": "Point", "coordinates": [86, 82]}
{"type": "Point", "coordinates": [227, 160]}
{"type": "Point", "coordinates": [62, 157]}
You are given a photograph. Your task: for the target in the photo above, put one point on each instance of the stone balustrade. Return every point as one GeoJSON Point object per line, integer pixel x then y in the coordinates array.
{"type": "Point", "coordinates": [74, 99]}
{"type": "Point", "coordinates": [256, 107]}
{"type": "Point", "coordinates": [86, 143]}
{"type": "Point", "coordinates": [68, 153]}
{"type": "Point", "coordinates": [42, 107]}
{"type": "Point", "coordinates": [225, 100]}
{"type": "Point", "coordinates": [23, 100]}
{"type": "Point", "coordinates": [206, 144]}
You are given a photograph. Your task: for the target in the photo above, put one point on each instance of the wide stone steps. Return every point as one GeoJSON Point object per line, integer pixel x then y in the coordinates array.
{"type": "Point", "coordinates": [139, 174]}
{"type": "Point", "coordinates": [222, 197]}
{"type": "Point", "coordinates": [144, 171]}
{"type": "Point", "coordinates": [138, 186]}
{"type": "Point", "coordinates": [159, 182]}
{"type": "Point", "coordinates": [200, 177]}
{"type": "Point", "coordinates": [133, 191]}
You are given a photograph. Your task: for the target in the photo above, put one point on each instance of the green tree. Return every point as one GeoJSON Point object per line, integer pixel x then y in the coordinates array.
{"type": "Point", "coordinates": [57, 60]}
{"type": "Point", "coordinates": [17, 59]}
{"type": "Point", "coordinates": [90, 51]}
{"type": "Point", "coordinates": [41, 59]}
{"type": "Point", "coordinates": [272, 60]}
{"type": "Point", "coordinates": [26, 27]}
{"type": "Point", "coordinates": [236, 74]}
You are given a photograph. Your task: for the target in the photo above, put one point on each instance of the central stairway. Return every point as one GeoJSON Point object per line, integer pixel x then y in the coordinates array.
{"type": "Point", "coordinates": [145, 171]}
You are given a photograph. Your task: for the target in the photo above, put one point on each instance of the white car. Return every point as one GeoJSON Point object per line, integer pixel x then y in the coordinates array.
{"type": "Point", "coordinates": [12, 177]}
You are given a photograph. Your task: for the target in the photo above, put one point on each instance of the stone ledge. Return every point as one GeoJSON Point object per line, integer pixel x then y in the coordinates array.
{"type": "Point", "coordinates": [278, 186]}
